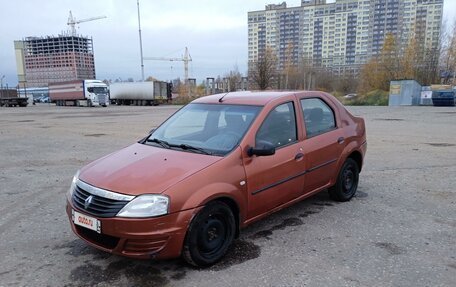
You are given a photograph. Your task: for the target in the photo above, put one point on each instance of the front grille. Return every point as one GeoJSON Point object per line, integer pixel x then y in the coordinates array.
{"type": "Point", "coordinates": [102, 99]}
{"type": "Point", "coordinates": [106, 241]}
{"type": "Point", "coordinates": [99, 206]}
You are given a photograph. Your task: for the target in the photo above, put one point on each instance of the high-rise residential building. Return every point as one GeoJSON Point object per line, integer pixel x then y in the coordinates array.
{"type": "Point", "coordinates": [342, 35]}
{"type": "Point", "coordinates": [43, 60]}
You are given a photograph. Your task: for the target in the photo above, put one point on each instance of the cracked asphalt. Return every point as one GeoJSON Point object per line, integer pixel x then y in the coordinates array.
{"type": "Point", "coordinates": [400, 229]}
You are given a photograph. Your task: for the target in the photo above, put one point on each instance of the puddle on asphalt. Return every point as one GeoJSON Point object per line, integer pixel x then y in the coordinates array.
{"type": "Point", "coordinates": [308, 212]}
{"type": "Point", "coordinates": [240, 252]}
{"type": "Point", "coordinates": [94, 135]}
{"type": "Point", "coordinates": [361, 194]}
{"type": "Point", "coordinates": [144, 273]}
{"type": "Point", "coordinates": [323, 204]}
{"type": "Point", "coordinates": [389, 120]}
{"type": "Point", "coordinates": [137, 273]}
{"type": "Point", "coordinates": [284, 224]}
{"type": "Point", "coordinates": [391, 248]}
{"type": "Point", "coordinates": [78, 248]}
{"type": "Point", "coordinates": [441, 144]}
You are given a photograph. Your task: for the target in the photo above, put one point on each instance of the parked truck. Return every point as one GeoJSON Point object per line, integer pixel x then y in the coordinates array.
{"type": "Point", "coordinates": [79, 93]}
{"type": "Point", "coordinates": [10, 98]}
{"type": "Point", "coordinates": [139, 93]}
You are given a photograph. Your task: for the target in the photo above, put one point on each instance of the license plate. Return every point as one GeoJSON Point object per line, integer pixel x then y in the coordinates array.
{"type": "Point", "coordinates": [86, 221]}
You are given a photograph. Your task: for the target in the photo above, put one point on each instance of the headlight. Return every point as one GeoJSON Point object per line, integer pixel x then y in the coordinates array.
{"type": "Point", "coordinates": [73, 184]}
{"type": "Point", "coordinates": [147, 205]}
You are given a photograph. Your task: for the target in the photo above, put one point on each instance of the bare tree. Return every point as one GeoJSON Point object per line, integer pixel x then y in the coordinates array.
{"type": "Point", "coordinates": [264, 70]}
{"type": "Point", "coordinates": [448, 56]}
{"type": "Point", "coordinates": [233, 78]}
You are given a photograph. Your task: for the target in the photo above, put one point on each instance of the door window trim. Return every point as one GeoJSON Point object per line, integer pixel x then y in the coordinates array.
{"type": "Point", "coordinates": [295, 122]}
{"type": "Point", "coordinates": [336, 126]}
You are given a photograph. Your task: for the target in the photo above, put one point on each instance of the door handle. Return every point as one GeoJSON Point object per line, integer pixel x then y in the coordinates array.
{"type": "Point", "coordinates": [341, 140]}
{"type": "Point", "coordinates": [299, 156]}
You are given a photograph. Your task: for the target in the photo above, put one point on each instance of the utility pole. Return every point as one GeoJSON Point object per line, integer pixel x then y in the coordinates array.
{"type": "Point", "coordinates": [140, 44]}
{"type": "Point", "coordinates": [1, 80]}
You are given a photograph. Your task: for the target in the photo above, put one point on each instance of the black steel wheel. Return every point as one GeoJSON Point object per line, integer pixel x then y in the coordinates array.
{"type": "Point", "coordinates": [347, 181]}
{"type": "Point", "coordinates": [210, 235]}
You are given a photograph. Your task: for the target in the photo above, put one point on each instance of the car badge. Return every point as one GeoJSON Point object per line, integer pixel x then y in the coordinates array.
{"type": "Point", "coordinates": [88, 201]}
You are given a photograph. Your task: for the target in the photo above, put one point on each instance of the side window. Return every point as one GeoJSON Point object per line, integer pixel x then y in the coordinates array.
{"type": "Point", "coordinates": [318, 116]}
{"type": "Point", "coordinates": [279, 127]}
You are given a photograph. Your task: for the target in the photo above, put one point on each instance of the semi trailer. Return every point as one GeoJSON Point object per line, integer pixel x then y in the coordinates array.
{"type": "Point", "coordinates": [79, 93]}
{"type": "Point", "coordinates": [140, 93]}
{"type": "Point", "coordinates": [10, 98]}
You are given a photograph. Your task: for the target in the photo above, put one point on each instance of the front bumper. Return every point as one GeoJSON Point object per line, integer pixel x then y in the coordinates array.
{"type": "Point", "coordinates": [143, 238]}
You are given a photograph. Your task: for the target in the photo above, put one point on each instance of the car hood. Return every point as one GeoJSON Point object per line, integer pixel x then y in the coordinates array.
{"type": "Point", "coordinates": [140, 169]}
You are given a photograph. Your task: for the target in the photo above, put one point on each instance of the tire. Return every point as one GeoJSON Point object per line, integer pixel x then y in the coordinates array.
{"type": "Point", "coordinates": [347, 182]}
{"type": "Point", "coordinates": [210, 235]}
{"type": "Point", "coordinates": [89, 103]}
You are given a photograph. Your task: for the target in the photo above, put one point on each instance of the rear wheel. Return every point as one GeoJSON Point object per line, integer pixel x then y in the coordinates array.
{"type": "Point", "coordinates": [210, 235]}
{"type": "Point", "coordinates": [347, 181]}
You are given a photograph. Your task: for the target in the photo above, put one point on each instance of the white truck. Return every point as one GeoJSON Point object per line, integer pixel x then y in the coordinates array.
{"type": "Point", "coordinates": [79, 93]}
{"type": "Point", "coordinates": [139, 93]}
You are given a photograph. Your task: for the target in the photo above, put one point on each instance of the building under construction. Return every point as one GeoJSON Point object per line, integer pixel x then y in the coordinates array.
{"type": "Point", "coordinates": [43, 60]}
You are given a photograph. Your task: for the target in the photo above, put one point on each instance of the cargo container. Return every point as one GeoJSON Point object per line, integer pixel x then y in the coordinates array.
{"type": "Point", "coordinates": [139, 93]}
{"type": "Point", "coordinates": [443, 98]}
{"type": "Point", "coordinates": [79, 93]}
{"type": "Point", "coordinates": [404, 93]}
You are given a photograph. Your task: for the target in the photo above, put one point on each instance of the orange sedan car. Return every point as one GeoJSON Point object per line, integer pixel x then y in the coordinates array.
{"type": "Point", "coordinates": [215, 166]}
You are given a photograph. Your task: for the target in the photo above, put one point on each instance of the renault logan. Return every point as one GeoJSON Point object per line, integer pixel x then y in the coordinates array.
{"type": "Point", "coordinates": [214, 167]}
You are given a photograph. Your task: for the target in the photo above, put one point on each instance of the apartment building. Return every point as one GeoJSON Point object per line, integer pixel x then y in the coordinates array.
{"type": "Point", "coordinates": [43, 60]}
{"type": "Point", "coordinates": [341, 35]}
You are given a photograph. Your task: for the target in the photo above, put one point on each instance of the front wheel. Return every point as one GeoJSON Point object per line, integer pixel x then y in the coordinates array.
{"type": "Point", "coordinates": [347, 182]}
{"type": "Point", "coordinates": [210, 235]}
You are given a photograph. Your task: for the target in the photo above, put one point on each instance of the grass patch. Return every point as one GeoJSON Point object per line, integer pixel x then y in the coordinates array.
{"type": "Point", "coordinates": [373, 98]}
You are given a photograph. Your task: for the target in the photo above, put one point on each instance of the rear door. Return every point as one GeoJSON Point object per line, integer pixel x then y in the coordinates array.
{"type": "Point", "coordinates": [323, 142]}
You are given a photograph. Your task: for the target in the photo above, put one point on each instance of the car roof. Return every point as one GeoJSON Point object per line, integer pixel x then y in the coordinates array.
{"type": "Point", "coordinates": [249, 97]}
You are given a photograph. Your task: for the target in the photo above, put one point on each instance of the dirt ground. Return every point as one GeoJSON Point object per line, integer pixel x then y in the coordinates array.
{"type": "Point", "coordinates": [400, 229]}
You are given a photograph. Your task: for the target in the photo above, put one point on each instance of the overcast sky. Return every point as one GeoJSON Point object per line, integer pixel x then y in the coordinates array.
{"type": "Point", "coordinates": [214, 31]}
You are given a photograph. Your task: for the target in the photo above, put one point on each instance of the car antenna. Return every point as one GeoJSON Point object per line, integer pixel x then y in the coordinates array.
{"type": "Point", "coordinates": [221, 99]}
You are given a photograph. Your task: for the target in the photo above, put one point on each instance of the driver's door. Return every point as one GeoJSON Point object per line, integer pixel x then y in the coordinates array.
{"type": "Point", "coordinates": [274, 180]}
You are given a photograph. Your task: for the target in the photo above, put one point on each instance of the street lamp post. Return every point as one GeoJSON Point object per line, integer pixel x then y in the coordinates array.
{"type": "Point", "coordinates": [140, 44]}
{"type": "Point", "coordinates": [1, 84]}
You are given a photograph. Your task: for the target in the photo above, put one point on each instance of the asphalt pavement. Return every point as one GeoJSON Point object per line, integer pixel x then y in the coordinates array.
{"type": "Point", "coordinates": [399, 230]}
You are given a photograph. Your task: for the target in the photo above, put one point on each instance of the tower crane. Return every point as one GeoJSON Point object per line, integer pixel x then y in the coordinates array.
{"type": "Point", "coordinates": [72, 22]}
{"type": "Point", "coordinates": [185, 58]}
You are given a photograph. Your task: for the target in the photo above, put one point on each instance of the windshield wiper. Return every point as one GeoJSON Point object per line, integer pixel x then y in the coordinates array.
{"type": "Point", "coordinates": [190, 147]}
{"type": "Point", "coordinates": [163, 143]}
{"type": "Point", "coordinates": [168, 145]}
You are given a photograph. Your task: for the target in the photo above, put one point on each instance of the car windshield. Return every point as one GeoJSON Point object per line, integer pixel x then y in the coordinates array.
{"type": "Point", "coordinates": [100, 90]}
{"type": "Point", "coordinates": [205, 128]}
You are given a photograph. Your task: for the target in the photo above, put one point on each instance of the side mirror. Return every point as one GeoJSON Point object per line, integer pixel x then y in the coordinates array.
{"type": "Point", "coordinates": [263, 148]}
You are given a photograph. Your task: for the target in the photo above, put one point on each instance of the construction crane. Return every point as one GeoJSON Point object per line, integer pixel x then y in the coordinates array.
{"type": "Point", "coordinates": [72, 22]}
{"type": "Point", "coordinates": [185, 58]}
